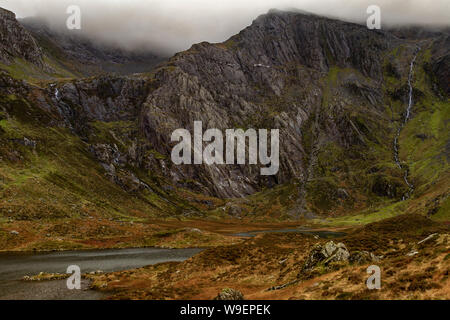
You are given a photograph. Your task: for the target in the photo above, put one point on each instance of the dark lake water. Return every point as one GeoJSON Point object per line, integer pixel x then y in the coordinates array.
{"type": "Point", "coordinates": [13, 266]}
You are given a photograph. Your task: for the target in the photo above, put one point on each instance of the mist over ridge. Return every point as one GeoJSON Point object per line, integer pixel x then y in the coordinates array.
{"type": "Point", "coordinates": [166, 27]}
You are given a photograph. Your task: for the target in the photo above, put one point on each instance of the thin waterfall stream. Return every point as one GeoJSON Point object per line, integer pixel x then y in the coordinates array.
{"type": "Point", "coordinates": [402, 125]}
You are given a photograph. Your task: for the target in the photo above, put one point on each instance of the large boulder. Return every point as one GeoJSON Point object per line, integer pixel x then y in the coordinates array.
{"type": "Point", "coordinates": [326, 254]}
{"type": "Point", "coordinates": [229, 294]}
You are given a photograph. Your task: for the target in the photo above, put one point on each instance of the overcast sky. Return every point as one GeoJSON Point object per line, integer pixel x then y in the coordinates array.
{"type": "Point", "coordinates": [174, 25]}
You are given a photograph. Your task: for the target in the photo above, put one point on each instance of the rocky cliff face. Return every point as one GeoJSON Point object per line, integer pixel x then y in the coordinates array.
{"type": "Point", "coordinates": [16, 41]}
{"type": "Point", "coordinates": [440, 64]}
{"type": "Point", "coordinates": [272, 75]}
{"type": "Point", "coordinates": [335, 90]}
{"type": "Point", "coordinates": [323, 83]}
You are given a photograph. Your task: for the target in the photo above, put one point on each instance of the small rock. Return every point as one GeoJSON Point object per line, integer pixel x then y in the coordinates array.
{"type": "Point", "coordinates": [431, 236]}
{"type": "Point", "coordinates": [412, 253]}
{"type": "Point", "coordinates": [208, 203]}
{"type": "Point", "coordinates": [363, 257]}
{"type": "Point", "coordinates": [421, 136]}
{"type": "Point", "coordinates": [14, 232]}
{"type": "Point", "coordinates": [342, 194]}
{"type": "Point", "coordinates": [96, 272]}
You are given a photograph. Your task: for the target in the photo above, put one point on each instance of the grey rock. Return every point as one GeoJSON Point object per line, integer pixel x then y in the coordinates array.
{"type": "Point", "coordinates": [363, 257]}
{"type": "Point", "coordinates": [16, 41]}
{"type": "Point", "coordinates": [326, 254]}
{"type": "Point", "coordinates": [234, 210]}
{"type": "Point", "coordinates": [229, 294]}
{"type": "Point", "coordinates": [26, 142]}
{"type": "Point", "coordinates": [412, 253]}
{"type": "Point", "coordinates": [194, 230]}
{"type": "Point", "coordinates": [105, 153]}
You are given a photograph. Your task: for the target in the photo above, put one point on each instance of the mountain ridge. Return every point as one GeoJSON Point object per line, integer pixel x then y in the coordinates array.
{"type": "Point", "coordinates": [336, 91]}
{"type": "Point", "coordinates": [79, 49]}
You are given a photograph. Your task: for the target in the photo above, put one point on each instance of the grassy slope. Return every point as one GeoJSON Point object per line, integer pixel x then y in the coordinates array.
{"type": "Point", "coordinates": [59, 182]}
{"type": "Point", "coordinates": [423, 149]}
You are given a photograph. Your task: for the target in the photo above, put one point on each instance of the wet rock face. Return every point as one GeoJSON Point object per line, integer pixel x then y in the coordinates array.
{"type": "Point", "coordinates": [16, 42]}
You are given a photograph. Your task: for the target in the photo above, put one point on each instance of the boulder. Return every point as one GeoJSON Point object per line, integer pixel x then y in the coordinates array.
{"type": "Point", "coordinates": [229, 294]}
{"type": "Point", "coordinates": [326, 254]}
{"type": "Point", "coordinates": [335, 252]}
{"type": "Point", "coordinates": [363, 257]}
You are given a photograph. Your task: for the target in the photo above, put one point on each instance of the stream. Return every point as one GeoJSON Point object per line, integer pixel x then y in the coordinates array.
{"type": "Point", "coordinates": [402, 125]}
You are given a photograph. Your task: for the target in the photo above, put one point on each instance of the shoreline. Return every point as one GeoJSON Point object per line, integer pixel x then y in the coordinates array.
{"type": "Point", "coordinates": [237, 235]}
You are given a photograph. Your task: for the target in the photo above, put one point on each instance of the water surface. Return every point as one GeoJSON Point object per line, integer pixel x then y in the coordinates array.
{"type": "Point", "coordinates": [13, 266]}
{"type": "Point", "coordinates": [326, 234]}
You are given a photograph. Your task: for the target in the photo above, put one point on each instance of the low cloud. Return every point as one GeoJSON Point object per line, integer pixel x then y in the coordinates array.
{"type": "Point", "coordinates": [168, 26]}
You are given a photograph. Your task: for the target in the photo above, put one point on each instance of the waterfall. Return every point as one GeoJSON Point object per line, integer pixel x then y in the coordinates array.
{"type": "Point", "coordinates": [405, 120]}
{"type": "Point", "coordinates": [410, 97]}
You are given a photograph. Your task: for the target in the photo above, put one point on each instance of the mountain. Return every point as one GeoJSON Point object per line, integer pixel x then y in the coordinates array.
{"type": "Point", "coordinates": [76, 51]}
{"type": "Point", "coordinates": [76, 147]}
{"type": "Point", "coordinates": [337, 91]}
{"type": "Point", "coordinates": [30, 46]}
